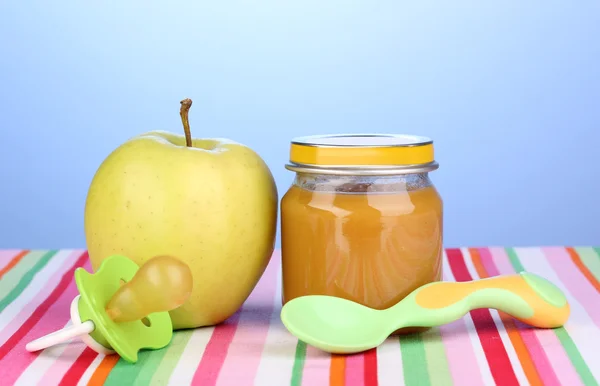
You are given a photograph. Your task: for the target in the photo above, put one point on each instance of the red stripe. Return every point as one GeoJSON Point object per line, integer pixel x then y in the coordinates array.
{"type": "Point", "coordinates": [371, 368]}
{"type": "Point", "coordinates": [75, 372]}
{"type": "Point", "coordinates": [42, 308]}
{"type": "Point", "coordinates": [487, 332]}
{"type": "Point", "coordinates": [215, 352]}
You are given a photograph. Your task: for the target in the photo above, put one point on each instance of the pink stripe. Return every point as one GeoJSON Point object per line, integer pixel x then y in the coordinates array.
{"type": "Point", "coordinates": [536, 351]}
{"type": "Point", "coordinates": [63, 363]}
{"type": "Point", "coordinates": [459, 351]}
{"type": "Point", "coordinates": [246, 349]}
{"type": "Point", "coordinates": [571, 276]}
{"type": "Point", "coordinates": [316, 367]}
{"type": "Point", "coordinates": [215, 352]}
{"type": "Point", "coordinates": [18, 359]}
{"type": "Point", "coordinates": [488, 262]}
{"type": "Point", "coordinates": [501, 261]}
{"type": "Point", "coordinates": [6, 255]}
{"type": "Point", "coordinates": [556, 357]}
{"type": "Point", "coordinates": [41, 296]}
{"type": "Point", "coordinates": [538, 355]}
{"type": "Point", "coordinates": [355, 370]}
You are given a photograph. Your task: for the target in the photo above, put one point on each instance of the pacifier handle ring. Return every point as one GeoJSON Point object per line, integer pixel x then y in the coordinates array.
{"type": "Point", "coordinates": [61, 336]}
{"type": "Point", "coordinates": [87, 339]}
{"type": "Point", "coordinates": [76, 329]}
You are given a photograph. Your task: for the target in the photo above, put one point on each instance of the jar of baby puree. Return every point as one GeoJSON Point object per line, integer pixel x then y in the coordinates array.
{"type": "Point", "coordinates": [362, 220]}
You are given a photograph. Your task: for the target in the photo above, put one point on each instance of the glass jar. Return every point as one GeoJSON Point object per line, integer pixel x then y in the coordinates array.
{"type": "Point", "coordinates": [362, 220]}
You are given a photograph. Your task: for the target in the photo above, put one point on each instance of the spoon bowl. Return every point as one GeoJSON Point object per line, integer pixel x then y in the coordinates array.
{"type": "Point", "coordinates": [334, 324]}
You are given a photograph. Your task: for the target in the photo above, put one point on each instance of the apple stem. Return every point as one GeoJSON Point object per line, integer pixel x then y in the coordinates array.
{"type": "Point", "coordinates": [185, 108]}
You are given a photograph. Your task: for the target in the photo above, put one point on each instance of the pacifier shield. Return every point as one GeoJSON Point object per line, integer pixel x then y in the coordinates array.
{"type": "Point", "coordinates": [125, 338]}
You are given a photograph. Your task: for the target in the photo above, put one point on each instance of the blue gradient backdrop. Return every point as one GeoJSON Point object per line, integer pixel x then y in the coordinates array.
{"type": "Point", "coordinates": [510, 92]}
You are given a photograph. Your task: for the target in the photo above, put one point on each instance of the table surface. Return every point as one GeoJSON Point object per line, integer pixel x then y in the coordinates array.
{"type": "Point", "coordinates": [253, 347]}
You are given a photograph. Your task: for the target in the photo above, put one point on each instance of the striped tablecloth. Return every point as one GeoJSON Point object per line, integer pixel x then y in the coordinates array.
{"type": "Point", "coordinates": [253, 347]}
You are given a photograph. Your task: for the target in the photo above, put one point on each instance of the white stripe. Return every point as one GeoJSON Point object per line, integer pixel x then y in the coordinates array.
{"type": "Point", "coordinates": [277, 360]}
{"type": "Point", "coordinates": [510, 350]}
{"type": "Point", "coordinates": [191, 356]}
{"type": "Point", "coordinates": [34, 287]}
{"type": "Point", "coordinates": [69, 355]}
{"type": "Point", "coordinates": [579, 326]}
{"type": "Point", "coordinates": [484, 368]}
{"type": "Point", "coordinates": [32, 296]}
{"type": "Point", "coordinates": [390, 368]}
{"type": "Point", "coordinates": [87, 375]}
{"type": "Point", "coordinates": [389, 363]}
{"type": "Point", "coordinates": [36, 369]}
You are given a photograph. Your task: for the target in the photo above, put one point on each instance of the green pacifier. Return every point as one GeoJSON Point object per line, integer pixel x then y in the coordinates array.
{"type": "Point", "coordinates": [123, 308]}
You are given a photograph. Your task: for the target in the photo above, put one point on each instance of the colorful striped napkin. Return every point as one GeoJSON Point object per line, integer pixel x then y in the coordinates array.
{"type": "Point", "coordinates": [253, 347]}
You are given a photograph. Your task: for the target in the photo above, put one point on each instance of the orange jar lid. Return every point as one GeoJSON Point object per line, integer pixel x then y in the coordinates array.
{"type": "Point", "coordinates": [361, 154]}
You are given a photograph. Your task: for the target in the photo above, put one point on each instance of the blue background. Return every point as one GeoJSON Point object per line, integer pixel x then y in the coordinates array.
{"type": "Point", "coordinates": [509, 91]}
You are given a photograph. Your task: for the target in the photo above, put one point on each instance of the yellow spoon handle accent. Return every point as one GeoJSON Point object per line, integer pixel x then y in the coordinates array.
{"type": "Point", "coordinates": [525, 296]}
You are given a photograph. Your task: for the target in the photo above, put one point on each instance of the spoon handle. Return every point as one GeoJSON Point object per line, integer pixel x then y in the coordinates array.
{"type": "Point", "coordinates": [525, 296]}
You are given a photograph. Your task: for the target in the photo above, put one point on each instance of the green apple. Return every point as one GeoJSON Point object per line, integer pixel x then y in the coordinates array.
{"type": "Point", "coordinates": [211, 203]}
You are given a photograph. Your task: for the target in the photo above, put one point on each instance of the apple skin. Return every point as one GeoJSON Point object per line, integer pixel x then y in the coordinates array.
{"type": "Point", "coordinates": [212, 205]}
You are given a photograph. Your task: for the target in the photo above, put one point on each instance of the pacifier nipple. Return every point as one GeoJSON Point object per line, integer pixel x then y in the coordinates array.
{"type": "Point", "coordinates": [163, 283]}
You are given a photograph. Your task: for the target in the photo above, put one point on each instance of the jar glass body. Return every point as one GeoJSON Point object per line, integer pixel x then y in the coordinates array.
{"type": "Point", "coordinates": [369, 239]}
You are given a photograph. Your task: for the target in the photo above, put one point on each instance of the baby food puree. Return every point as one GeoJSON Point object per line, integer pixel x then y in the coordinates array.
{"type": "Point", "coordinates": [362, 220]}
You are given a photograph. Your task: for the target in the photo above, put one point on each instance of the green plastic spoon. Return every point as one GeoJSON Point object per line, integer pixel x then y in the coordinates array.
{"type": "Point", "coordinates": [341, 326]}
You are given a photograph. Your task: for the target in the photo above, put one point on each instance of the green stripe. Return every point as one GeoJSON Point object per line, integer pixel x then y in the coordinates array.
{"type": "Point", "coordinates": [578, 362]}
{"type": "Point", "coordinates": [514, 260]}
{"type": "Point", "coordinates": [563, 336]}
{"type": "Point", "coordinates": [597, 250]}
{"type": "Point", "coordinates": [125, 373]}
{"type": "Point", "coordinates": [12, 277]}
{"type": "Point", "coordinates": [21, 276]}
{"type": "Point", "coordinates": [172, 355]}
{"type": "Point", "coordinates": [298, 364]}
{"type": "Point", "coordinates": [160, 363]}
{"type": "Point", "coordinates": [437, 362]}
{"type": "Point", "coordinates": [414, 360]}
{"type": "Point", "coordinates": [590, 260]}
{"type": "Point", "coordinates": [149, 367]}
{"type": "Point", "coordinates": [149, 364]}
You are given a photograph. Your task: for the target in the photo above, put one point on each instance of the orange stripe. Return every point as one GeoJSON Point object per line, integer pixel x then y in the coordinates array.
{"type": "Point", "coordinates": [13, 262]}
{"type": "Point", "coordinates": [474, 252]}
{"type": "Point", "coordinates": [337, 370]}
{"type": "Point", "coordinates": [521, 349]}
{"type": "Point", "coordinates": [103, 369]}
{"type": "Point", "coordinates": [513, 333]}
{"type": "Point", "coordinates": [586, 272]}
